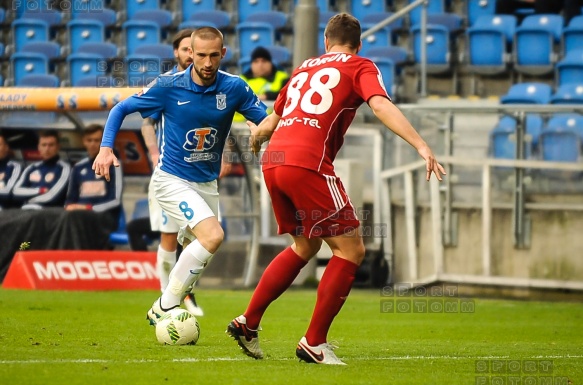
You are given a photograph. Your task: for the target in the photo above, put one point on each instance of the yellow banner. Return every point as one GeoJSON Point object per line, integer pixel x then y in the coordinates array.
{"type": "Point", "coordinates": [62, 99]}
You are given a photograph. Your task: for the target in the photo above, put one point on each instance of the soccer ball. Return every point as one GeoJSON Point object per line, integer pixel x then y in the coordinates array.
{"type": "Point", "coordinates": [177, 327]}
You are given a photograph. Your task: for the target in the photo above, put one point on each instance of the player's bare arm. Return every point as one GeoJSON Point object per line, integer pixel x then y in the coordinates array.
{"type": "Point", "coordinates": [149, 134]}
{"type": "Point", "coordinates": [262, 132]}
{"type": "Point", "coordinates": [394, 119]}
{"type": "Point", "coordinates": [103, 162]}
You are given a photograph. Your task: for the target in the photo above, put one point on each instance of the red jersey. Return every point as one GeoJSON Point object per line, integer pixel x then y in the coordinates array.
{"type": "Point", "coordinates": [316, 107]}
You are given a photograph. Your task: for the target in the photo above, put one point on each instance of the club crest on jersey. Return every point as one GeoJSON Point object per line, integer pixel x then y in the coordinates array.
{"type": "Point", "coordinates": [221, 101]}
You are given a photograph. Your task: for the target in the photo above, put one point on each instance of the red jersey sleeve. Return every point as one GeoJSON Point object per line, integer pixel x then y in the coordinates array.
{"type": "Point", "coordinates": [368, 81]}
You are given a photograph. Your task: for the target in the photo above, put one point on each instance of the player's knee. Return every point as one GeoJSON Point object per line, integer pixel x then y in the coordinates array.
{"type": "Point", "coordinates": [215, 237]}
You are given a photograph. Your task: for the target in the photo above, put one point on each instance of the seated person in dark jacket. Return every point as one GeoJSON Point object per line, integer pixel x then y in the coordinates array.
{"type": "Point", "coordinates": [44, 183]}
{"type": "Point", "coordinates": [9, 172]}
{"type": "Point", "coordinates": [89, 192]}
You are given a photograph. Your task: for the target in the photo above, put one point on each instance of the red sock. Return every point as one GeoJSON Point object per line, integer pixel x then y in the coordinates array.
{"type": "Point", "coordinates": [278, 276]}
{"type": "Point", "coordinates": [333, 289]}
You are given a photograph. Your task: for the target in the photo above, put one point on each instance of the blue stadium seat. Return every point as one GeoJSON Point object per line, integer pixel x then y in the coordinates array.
{"type": "Point", "coordinates": [105, 50]}
{"type": "Point", "coordinates": [477, 8]}
{"type": "Point", "coordinates": [244, 64]}
{"type": "Point", "coordinates": [248, 7]}
{"type": "Point", "coordinates": [438, 48]}
{"type": "Point", "coordinates": [83, 65]}
{"type": "Point", "coordinates": [120, 235]}
{"type": "Point", "coordinates": [397, 55]}
{"type": "Point", "coordinates": [194, 24]}
{"type": "Point", "coordinates": [527, 93]}
{"type": "Point", "coordinates": [572, 122]}
{"type": "Point", "coordinates": [52, 18]}
{"type": "Point", "coordinates": [573, 35]}
{"type": "Point", "coordinates": [570, 69]}
{"type": "Point", "coordinates": [191, 7]}
{"type": "Point", "coordinates": [162, 51]}
{"type": "Point", "coordinates": [84, 31]}
{"type": "Point", "coordinates": [159, 16]}
{"type": "Point", "coordinates": [2, 16]}
{"type": "Point", "coordinates": [26, 31]}
{"type": "Point", "coordinates": [381, 38]}
{"type": "Point", "coordinates": [503, 137]}
{"type": "Point", "coordinates": [48, 48]}
{"type": "Point", "coordinates": [489, 43]}
{"type": "Point", "coordinates": [22, 6]}
{"type": "Point", "coordinates": [375, 18]}
{"type": "Point", "coordinates": [362, 8]}
{"type": "Point", "coordinates": [142, 69]}
{"type": "Point", "coordinates": [434, 6]}
{"type": "Point", "coordinates": [451, 21]}
{"type": "Point", "coordinates": [542, 32]}
{"type": "Point", "coordinates": [39, 80]}
{"type": "Point", "coordinates": [570, 93]}
{"type": "Point", "coordinates": [387, 70]}
{"type": "Point", "coordinates": [139, 32]}
{"type": "Point", "coordinates": [219, 19]}
{"type": "Point", "coordinates": [277, 19]}
{"type": "Point", "coordinates": [251, 35]}
{"type": "Point", "coordinates": [560, 145]}
{"type": "Point", "coordinates": [28, 63]}
{"type": "Point", "coordinates": [105, 16]}
{"type": "Point", "coordinates": [133, 6]}
{"type": "Point", "coordinates": [1, 49]}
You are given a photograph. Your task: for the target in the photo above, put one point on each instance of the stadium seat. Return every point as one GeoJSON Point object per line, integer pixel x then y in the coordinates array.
{"type": "Point", "coordinates": [527, 93]}
{"type": "Point", "coordinates": [248, 7]}
{"type": "Point", "coordinates": [26, 31]}
{"type": "Point", "coordinates": [571, 93]}
{"type": "Point", "coordinates": [82, 65]}
{"type": "Point", "coordinates": [251, 35]}
{"type": "Point", "coordinates": [572, 122]}
{"type": "Point", "coordinates": [451, 21]}
{"type": "Point", "coordinates": [219, 19]}
{"type": "Point", "coordinates": [2, 16]}
{"type": "Point", "coordinates": [52, 18]}
{"type": "Point", "coordinates": [570, 69]}
{"type": "Point", "coordinates": [48, 48]}
{"type": "Point", "coordinates": [362, 8]}
{"type": "Point", "coordinates": [22, 6]}
{"type": "Point", "coordinates": [1, 49]}
{"type": "Point", "coordinates": [387, 70]}
{"type": "Point", "coordinates": [191, 7]}
{"type": "Point", "coordinates": [560, 145]}
{"type": "Point", "coordinates": [105, 50]}
{"type": "Point", "coordinates": [489, 43]}
{"type": "Point", "coordinates": [542, 32]}
{"type": "Point", "coordinates": [133, 6]}
{"type": "Point", "coordinates": [375, 18]}
{"type": "Point", "coordinates": [120, 236]}
{"type": "Point", "coordinates": [159, 16]}
{"type": "Point", "coordinates": [194, 24]}
{"type": "Point", "coordinates": [398, 55]}
{"type": "Point", "coordinates": [138, 32]}
{"type": "Point", "coordinates": [162, 51]}
{"type": "Point", "coordinates": [39, 80]}
{"type": "Point", "coordinates": [28, 63]}
{"type": "Point", "coordinates": [573, 35]}
{"type": "Point", "coordinates": [277, 19]}
{"type": "Point", "coordinates": [438, 48]}
{"type": "Point", "coordinates": [84, 31]}
{"type": "Point", "coordinates": [105, 16]}
{"type": "Point", "coordinates": [503, 137]}
{"type": "Point", "coordinates": [142, 69]}
{"type": "Point", "coordinates": [477, 8]}
{"type": "Point", "coordinates": [381, 38]}
{"type": "Point", "coordinates": [434, 6]}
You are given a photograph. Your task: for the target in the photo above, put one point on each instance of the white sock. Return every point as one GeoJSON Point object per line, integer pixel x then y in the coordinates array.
{"type": "Point", "coordinates": [185, 273]}
{"type": "Point", "coordinates": [165, 261]}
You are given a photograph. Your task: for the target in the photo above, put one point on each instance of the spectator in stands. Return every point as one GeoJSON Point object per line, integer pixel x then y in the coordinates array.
{"type": "Point", "coordinates": [9, 172]}
{"type": "Point", "coordinates": [570, 8]}
{"type": "Point", "coordinates": [89, 192]}
{"type": "Point", "coordinates": [264, 78]}
{"type": "Point", "coordinates": [44, 183]}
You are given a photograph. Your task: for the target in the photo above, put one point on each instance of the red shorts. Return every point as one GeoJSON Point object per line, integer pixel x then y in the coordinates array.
{"type": "Point", "coordinates": [309, 204]}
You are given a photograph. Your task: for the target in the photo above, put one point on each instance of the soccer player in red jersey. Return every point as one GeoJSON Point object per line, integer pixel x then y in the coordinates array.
{"type": "Point", "coordinates": [306, 130]}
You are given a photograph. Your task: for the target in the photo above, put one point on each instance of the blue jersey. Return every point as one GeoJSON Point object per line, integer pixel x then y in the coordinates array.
{"type": "Point", "coordinates": [87, 189]}
{"type": "Point", "coordinates": [9, 173]}
{"type": "Point", "coordinates": [195, 120]}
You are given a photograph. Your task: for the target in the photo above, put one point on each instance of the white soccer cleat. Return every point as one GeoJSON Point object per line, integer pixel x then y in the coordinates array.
{"type": "Point", "coordinates": [191, 305]}
{"type": "Point", "coordinates": [321, 354]}
{"type": "Point", "coordinates": [156, 312]}
{"type": "Point", "coordinates": [247, 339]}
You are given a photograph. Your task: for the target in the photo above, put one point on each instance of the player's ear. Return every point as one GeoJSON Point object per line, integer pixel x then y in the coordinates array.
{"type": "Point", "coordinates": [223, 52]}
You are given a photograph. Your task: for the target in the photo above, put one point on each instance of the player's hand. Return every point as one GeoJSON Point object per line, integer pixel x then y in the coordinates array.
{"type": "Point", "coordinates": [431, 164]}
{"type": "Point", "coordinates": [254, 140]}
{"type": "Point", "coordinates": [103, 162]}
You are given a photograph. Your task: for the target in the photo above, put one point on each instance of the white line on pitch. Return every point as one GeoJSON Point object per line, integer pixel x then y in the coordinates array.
{"type": "Point", "coordinates": [388, 358]}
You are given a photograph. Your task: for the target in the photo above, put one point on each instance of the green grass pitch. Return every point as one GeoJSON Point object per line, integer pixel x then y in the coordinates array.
{"type": "Point", "coordinates": [103, 338]}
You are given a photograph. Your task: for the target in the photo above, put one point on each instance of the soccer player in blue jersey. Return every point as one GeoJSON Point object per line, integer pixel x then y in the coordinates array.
{"type": "Point", "coordinates": [159, 221]}
{"type": "Point", "coordinates": [197, 107]}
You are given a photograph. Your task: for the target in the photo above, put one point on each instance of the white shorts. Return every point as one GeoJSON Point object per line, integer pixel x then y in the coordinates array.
{"type": "Point", "coordinates": [159, 220]}
{"type": "Point", "coordinates": [185, 203]}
